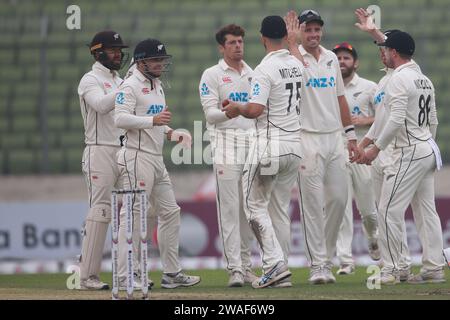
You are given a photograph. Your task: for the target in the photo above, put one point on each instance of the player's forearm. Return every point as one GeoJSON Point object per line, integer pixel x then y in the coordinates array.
{"type": "Point", "coordinates": [377, 35]}
{"type": "Point", "coordinates": [344, 111]}
{"type": "Point", "coordinates": [100, 102]}
{"type": "Point", "coordinates": [365, 142]}
{"type": "Point", "coordinates": [294, 51]}
{"type": "Point", "coordinates": [215, 116]}
{"type": "Point", "coordinates": [251, 110]}
{"type": "Point", "coordinates": [388, 134]}
{"type": "Point", "coordinates": [128, 121]}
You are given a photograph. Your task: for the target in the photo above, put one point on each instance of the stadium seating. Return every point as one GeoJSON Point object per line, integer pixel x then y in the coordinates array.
{"type": "Point", "coordinates": [187, 28]}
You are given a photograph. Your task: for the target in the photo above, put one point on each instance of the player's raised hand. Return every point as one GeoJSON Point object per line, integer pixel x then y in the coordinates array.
{"type": "Point", "coordinates": [294, 32]}
{"type": "Point", "coordinates": [365, 20]}
{"type": "Point", "coordinates": [293, 28]}
{"type": "Point", "coordinates": [231, 109]}
{"type": "Point", "coordinates": [162, 118]}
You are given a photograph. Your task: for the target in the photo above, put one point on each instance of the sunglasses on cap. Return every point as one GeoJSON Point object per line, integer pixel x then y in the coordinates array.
{"type": "Point", "coordinates": [344, 45]}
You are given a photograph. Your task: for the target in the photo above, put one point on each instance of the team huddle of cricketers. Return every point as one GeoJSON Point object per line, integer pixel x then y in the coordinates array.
{"type": "Point", "coordinates": [303, 117]}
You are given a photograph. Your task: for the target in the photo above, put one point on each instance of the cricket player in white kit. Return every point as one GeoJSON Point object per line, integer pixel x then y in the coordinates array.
{"type": "Point", "coordinates": [382, 166]}
{"type": "Point", "coordinates": [230, 79]}
{"type": "Point", "coordinates": [359, 93]}
{"type": "Point", "coordinates": [142, 112]}
{"type": "Point", "coordinates": [412, 124]}
{"type": "Point", "coordinates": [323, 175]}
{"type": "Point", "coordinates": [272, 165]}
{"type": "Point", "coordinates": [97, 91]}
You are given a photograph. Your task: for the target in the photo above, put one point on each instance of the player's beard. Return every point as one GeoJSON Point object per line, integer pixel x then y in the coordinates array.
{"type": "Point", "coordinates": [347, 71]}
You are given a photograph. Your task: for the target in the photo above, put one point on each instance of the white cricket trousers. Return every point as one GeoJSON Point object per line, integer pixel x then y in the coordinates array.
{"type": "Point", "coordinates": [411, 182]}
{"type": "Point", "coordinates": [360, 186]}
{"type": "Point", "coordinates": [323, 192]}
{"type": "Point", "coordinates": [141, 170]}
{"type": "Point", "coordinates": [267, 182]}
{"type": "Point", "coordinates": [381, 167]}
{"type": "Point", "coordinates": [234, 229]}
{"type": "Point", "coordinates": [101, 174]}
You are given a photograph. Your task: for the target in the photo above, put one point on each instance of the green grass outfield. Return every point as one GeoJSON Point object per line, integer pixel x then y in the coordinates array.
{"type": "Point", "coordinates": [213, 286]}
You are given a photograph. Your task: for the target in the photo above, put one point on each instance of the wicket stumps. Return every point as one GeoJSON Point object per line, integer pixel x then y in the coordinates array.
{"type": "Point", "coordinates": [128, 196]}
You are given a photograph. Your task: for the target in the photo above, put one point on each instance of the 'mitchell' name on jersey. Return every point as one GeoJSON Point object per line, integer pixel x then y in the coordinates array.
{"type": "Point", "coordinates": [293, 72]}
{"type": "Point", "coordinates": [276, 85]}
{"type": "Point", "coordinates": [410, 102]}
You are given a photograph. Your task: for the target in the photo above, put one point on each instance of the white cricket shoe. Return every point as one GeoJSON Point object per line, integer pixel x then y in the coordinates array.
{"type": "Point", "coordinates": [374, 250]}
{"type": "Point", "coordinates": [277, 273]}
{"type": "Point", "coordinates": [236, 279]}
{"type": "Point", "coordinates": [178, 280]}
{"type": "Point", "coordinates": [346, 269]}
{"type": "Point", "coordinates": [404, 274]}
{"type": "Point", "coordinates": [435, 276]}
{"type": "Point", "coordinates": [329, 278]}
{"type": "Point", "coordinates": [389, 278]}
{"type": "Point", "coordinates": [93, 283]}
{"type": "Point", "coordinates": [316, 276]}
{"type": "Point", "coordinates": [249, 276]}
{"type": "Point", "coordinates": [285, 283]}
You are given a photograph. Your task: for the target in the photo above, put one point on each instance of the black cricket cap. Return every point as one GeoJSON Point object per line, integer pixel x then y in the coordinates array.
{"type": "Point", "coordinates": [400, 41]}
{"type": "Point", "coordinates": [150, 48]}
{"type": "Point", "coordinates": [310, 15]}
{"type": "Point", "coordinates": [273, 27]}
{"type": "Point", "coordinates": [106, 39]}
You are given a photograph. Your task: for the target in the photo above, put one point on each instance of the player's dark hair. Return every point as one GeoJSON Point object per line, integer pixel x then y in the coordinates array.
{"type": "Point", "coordinates": [404, 56]}
{"type": "Point", "coordinates": [232, 29]}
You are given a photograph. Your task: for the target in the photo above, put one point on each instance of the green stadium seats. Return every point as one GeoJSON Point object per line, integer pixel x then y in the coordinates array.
{"type": "Point", "coordinates": [13, 141]}
{"type": "Point", "coordinates": [73, 156]}
{"type": "Point", "coordinates": [200, 52]}
{"type": "Point", "coordinates": [21, 161]}
{"type": "Point", "coordinates": [25, 123]}
{"type": "Point", "coordinates": [72, 139]}
{"type": "Point", "coordinates": [76, 122]}
{"type": "Point", "coordinates": [35, 141]}
{"type": "Point", "coordinates": [7, 56]}
{"type": "Point", "coordinates": [4, 123]}
{"type": "Point", "coordinates": [187, 28]}
{"type": "Point", "coordinates": [29, 56]}
{"type": "Point", "coordinates": [24, 105]}
{"type": "Point", "coordinates": [56, 122]}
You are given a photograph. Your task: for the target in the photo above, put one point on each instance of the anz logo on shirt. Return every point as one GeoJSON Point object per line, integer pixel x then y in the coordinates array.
{"type": "Point", "coordinates": [378, 98]}
{"type": "Point", "coordinates": [321, 82]}
{"type": "Point", "coordinates": [238, 96]}
{"type": "Point", "coordinates": [155, 109]}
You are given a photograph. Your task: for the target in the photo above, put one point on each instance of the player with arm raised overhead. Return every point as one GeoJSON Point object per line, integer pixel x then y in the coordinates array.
{"type": "Point", "coordinates": [322, 175]}
{"type": "Point", "coordinates": [382, 166]}
{"type": "Point", "coordinates": [411, 126]}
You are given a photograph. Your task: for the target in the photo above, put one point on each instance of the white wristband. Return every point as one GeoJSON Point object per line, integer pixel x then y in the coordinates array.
{"type": "Point", "coordinates": [350, 132]}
